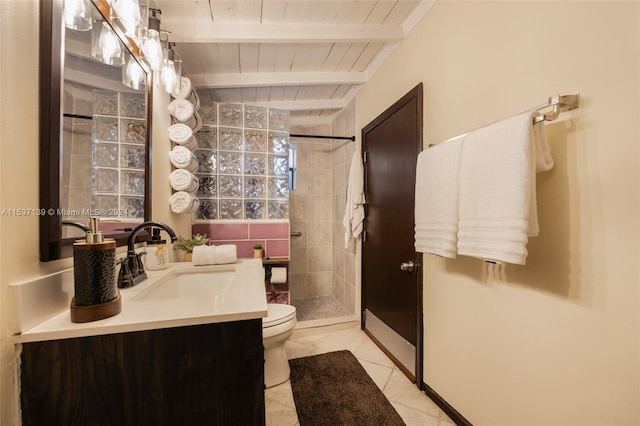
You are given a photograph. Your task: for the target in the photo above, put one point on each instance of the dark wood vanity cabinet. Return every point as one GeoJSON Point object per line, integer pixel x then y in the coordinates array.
{"type": "Point", "coordinates": [211, 374]}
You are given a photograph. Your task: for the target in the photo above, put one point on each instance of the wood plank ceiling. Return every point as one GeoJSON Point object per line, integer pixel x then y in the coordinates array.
{"type": "Point", "coordinates": [306, 56]}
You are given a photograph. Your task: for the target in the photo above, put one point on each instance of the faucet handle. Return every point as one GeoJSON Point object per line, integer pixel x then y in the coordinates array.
{"type": "Point", "coordinates": [140, 264]}
{"type": "Point", "coordinates": [124, 278]}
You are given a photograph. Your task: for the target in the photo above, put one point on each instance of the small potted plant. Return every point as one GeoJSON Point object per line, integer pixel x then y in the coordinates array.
{"type": "Point", "coordinates": [187, 245]}
{"type": "Point", "coordinates": [258, 251]}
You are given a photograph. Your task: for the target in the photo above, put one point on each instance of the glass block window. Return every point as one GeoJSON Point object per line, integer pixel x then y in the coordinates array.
{"type": "Point", "coordinates": [243, 152]}
{"type": "Point", "coordinates": [118, 154]}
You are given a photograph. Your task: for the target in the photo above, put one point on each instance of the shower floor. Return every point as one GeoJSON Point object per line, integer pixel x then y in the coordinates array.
{"type": "Point", "coordinates": [319, 307]}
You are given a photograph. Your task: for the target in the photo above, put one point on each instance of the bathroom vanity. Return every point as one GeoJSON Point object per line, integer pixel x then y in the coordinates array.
{"type": "Point", "coordinates": [185, 350]}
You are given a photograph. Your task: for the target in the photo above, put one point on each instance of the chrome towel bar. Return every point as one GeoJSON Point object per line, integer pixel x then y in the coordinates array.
{"type": "Point", "coordinates": [557, 103]}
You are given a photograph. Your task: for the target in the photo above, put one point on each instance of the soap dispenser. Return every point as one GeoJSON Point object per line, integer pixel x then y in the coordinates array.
{"type": "Point", "coordinates": [94, 275]}
{"type": "Point", "coordinates": [157, 256]}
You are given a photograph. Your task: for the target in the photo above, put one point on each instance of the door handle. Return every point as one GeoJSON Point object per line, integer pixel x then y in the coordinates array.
{"type": "Point", "coordinates": [407, 266]}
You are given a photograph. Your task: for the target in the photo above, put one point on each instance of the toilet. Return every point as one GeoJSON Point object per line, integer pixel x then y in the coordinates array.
{"type": "Point", "coordinates": [277, 327]}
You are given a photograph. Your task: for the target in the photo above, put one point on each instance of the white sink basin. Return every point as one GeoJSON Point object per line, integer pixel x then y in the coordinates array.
{"type": "Point", "coordinates": [180, 295]}
{"type": "Point", "coordinates": [198, 284]}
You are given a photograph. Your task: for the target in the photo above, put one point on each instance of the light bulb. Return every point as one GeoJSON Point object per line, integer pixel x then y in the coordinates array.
{"type": "Point", "coordinates": [128, 12]}
{"type": "Point", "coordinates": [77, 15]}
{"type": "Point", "coordinates": [132, 74]}
{"type": "Point", "coordinates": [109, 45]}
{"type": "Point", "coordinates": [152, 49]}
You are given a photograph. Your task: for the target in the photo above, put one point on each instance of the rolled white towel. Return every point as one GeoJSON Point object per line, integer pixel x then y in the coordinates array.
{"type": "Point", "coordinates": [211, 255]}
{"type": "Point", "coordinates": [226, 253]}
{"type": "Point", "coordinates": [204, 255]}
{"type": "Point", "coordinates": [199, 256]}
{"type": "Point", "coordinates": [182, 158]}
{"type": "Point", "coordinates": [180, 133]}
{"type": "Point", "coordinates": [185, 89]}
{"type": "Point", "coordinates": [181, 109]}
{"type": "Point", "coordinates": [183, 180]}
{"type": "Point", "coordinates": [182, 202]}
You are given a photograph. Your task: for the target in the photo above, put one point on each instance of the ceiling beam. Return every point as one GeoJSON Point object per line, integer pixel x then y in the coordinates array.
{"type": "Point", "coordinates": [219, 81]}
{"type": "Point", "coordinates": [208, 32]}
{"type": "Point", "coordinates": [303, 105]}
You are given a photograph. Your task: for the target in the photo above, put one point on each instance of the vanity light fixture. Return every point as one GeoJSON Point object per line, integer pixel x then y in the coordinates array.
{"type": "Point", "coordinates": [77, 15]}
{"type": "Point", "coordinates": [105, 44]}
{"type": "Point", "coordinates": [151, 47]}
{"type": "Point", "coordinates": [132, 74]}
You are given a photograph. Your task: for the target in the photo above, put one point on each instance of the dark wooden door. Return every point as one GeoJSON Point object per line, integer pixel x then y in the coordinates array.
{"type": "Point", "coordinates": [391, 144]}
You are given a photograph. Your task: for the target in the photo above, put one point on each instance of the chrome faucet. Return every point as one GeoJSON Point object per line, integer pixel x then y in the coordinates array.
{"type": "Point", "coordinates": [131, 267]}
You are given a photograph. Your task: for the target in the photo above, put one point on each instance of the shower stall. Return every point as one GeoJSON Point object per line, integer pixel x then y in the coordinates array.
{"type": "Point", "coordinates": [322, 273]}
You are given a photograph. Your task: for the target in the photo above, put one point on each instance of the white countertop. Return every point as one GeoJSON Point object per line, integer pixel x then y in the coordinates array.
{"type": "Point", "coordinates": [243, 299]}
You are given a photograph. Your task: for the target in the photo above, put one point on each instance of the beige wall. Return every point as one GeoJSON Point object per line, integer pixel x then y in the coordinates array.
{"type": "Point", "coordinates": [19, 247]}
{"type": "Point", "coordinates": [555, 342]}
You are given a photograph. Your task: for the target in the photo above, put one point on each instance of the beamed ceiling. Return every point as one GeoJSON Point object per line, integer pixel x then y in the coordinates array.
{"type": "Point", "coordinates": [309, 57]}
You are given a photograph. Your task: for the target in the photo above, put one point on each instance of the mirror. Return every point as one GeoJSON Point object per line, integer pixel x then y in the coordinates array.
{"type": "Point", "coordinates": [94, 143]}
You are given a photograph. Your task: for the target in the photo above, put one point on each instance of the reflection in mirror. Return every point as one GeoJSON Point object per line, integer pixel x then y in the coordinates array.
{"type": "Point", "coordinates": [102, 134]}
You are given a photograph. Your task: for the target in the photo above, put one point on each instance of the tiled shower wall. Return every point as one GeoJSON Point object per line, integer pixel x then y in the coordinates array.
{"type": "Point", "coordinates": [320, 264]}
{"type": "Point", "coordinates": [75, 182]}
{"type": "Point", "coordinates": [310, 213]}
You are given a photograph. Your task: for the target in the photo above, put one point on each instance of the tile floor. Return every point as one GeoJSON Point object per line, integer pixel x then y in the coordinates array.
{"type": "Point", "coordinates": [415, 408]}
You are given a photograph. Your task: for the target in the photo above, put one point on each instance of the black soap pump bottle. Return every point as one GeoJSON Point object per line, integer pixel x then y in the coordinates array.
{"type": "Point", "coordinates": [157, 253]}
{"type": "Point", "coordinates": [94, 274]}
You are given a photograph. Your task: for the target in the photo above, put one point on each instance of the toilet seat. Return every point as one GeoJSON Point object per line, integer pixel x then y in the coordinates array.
{"type": "Point", "coordinates": [278, 313]}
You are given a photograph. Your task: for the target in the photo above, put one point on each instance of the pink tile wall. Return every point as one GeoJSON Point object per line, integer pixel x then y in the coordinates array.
{"type": "Point", "coordinates": [274, 237]}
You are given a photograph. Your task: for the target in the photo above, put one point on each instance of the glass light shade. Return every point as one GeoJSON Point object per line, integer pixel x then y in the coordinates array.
{"type": "Point", "coordinates": [131, 16]}
{"type": "Point", "coordinates": [77, 14]}
{"type": "Point", "coordinates": [152, 49]}
{"type": "Point", "coordinates": [132, 74]}
{"type": "Point", "coordinates": [170, 71]}
{"type": "Point", "coordinates": [105, 45]}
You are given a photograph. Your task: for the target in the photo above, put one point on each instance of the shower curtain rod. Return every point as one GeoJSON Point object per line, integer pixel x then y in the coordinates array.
{"type": "Point", "coordinates": [349, 138]}
{"type": "Point", "coordinates": [84, 117]}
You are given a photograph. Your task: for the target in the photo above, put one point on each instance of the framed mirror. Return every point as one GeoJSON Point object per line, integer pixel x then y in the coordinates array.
{"type": "Point", "coordinates": [95, 133]}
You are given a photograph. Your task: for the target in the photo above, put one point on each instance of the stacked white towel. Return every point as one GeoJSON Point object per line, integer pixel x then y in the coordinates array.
{"type": "Point", "coordinates": [498, 210]}
{"type": "Point", "coordinates": [183, 90]}
{"type": "Point", "coordinates": [354, 208]}
{"type": "Point", "coordinates": [182, 134]}
{"type": "Point", "coordinates": [436, 204]}
{"type": "Point", "coordinates": [182, 110]}
{"type": "Point", "coordinates": [183, 158]}
{"type": "Point", "coordinates": [214, 255]}
{"type": "Point", "coordinates": [183, 202]}
{"type": "Point", "coordinates": [183, 180]}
